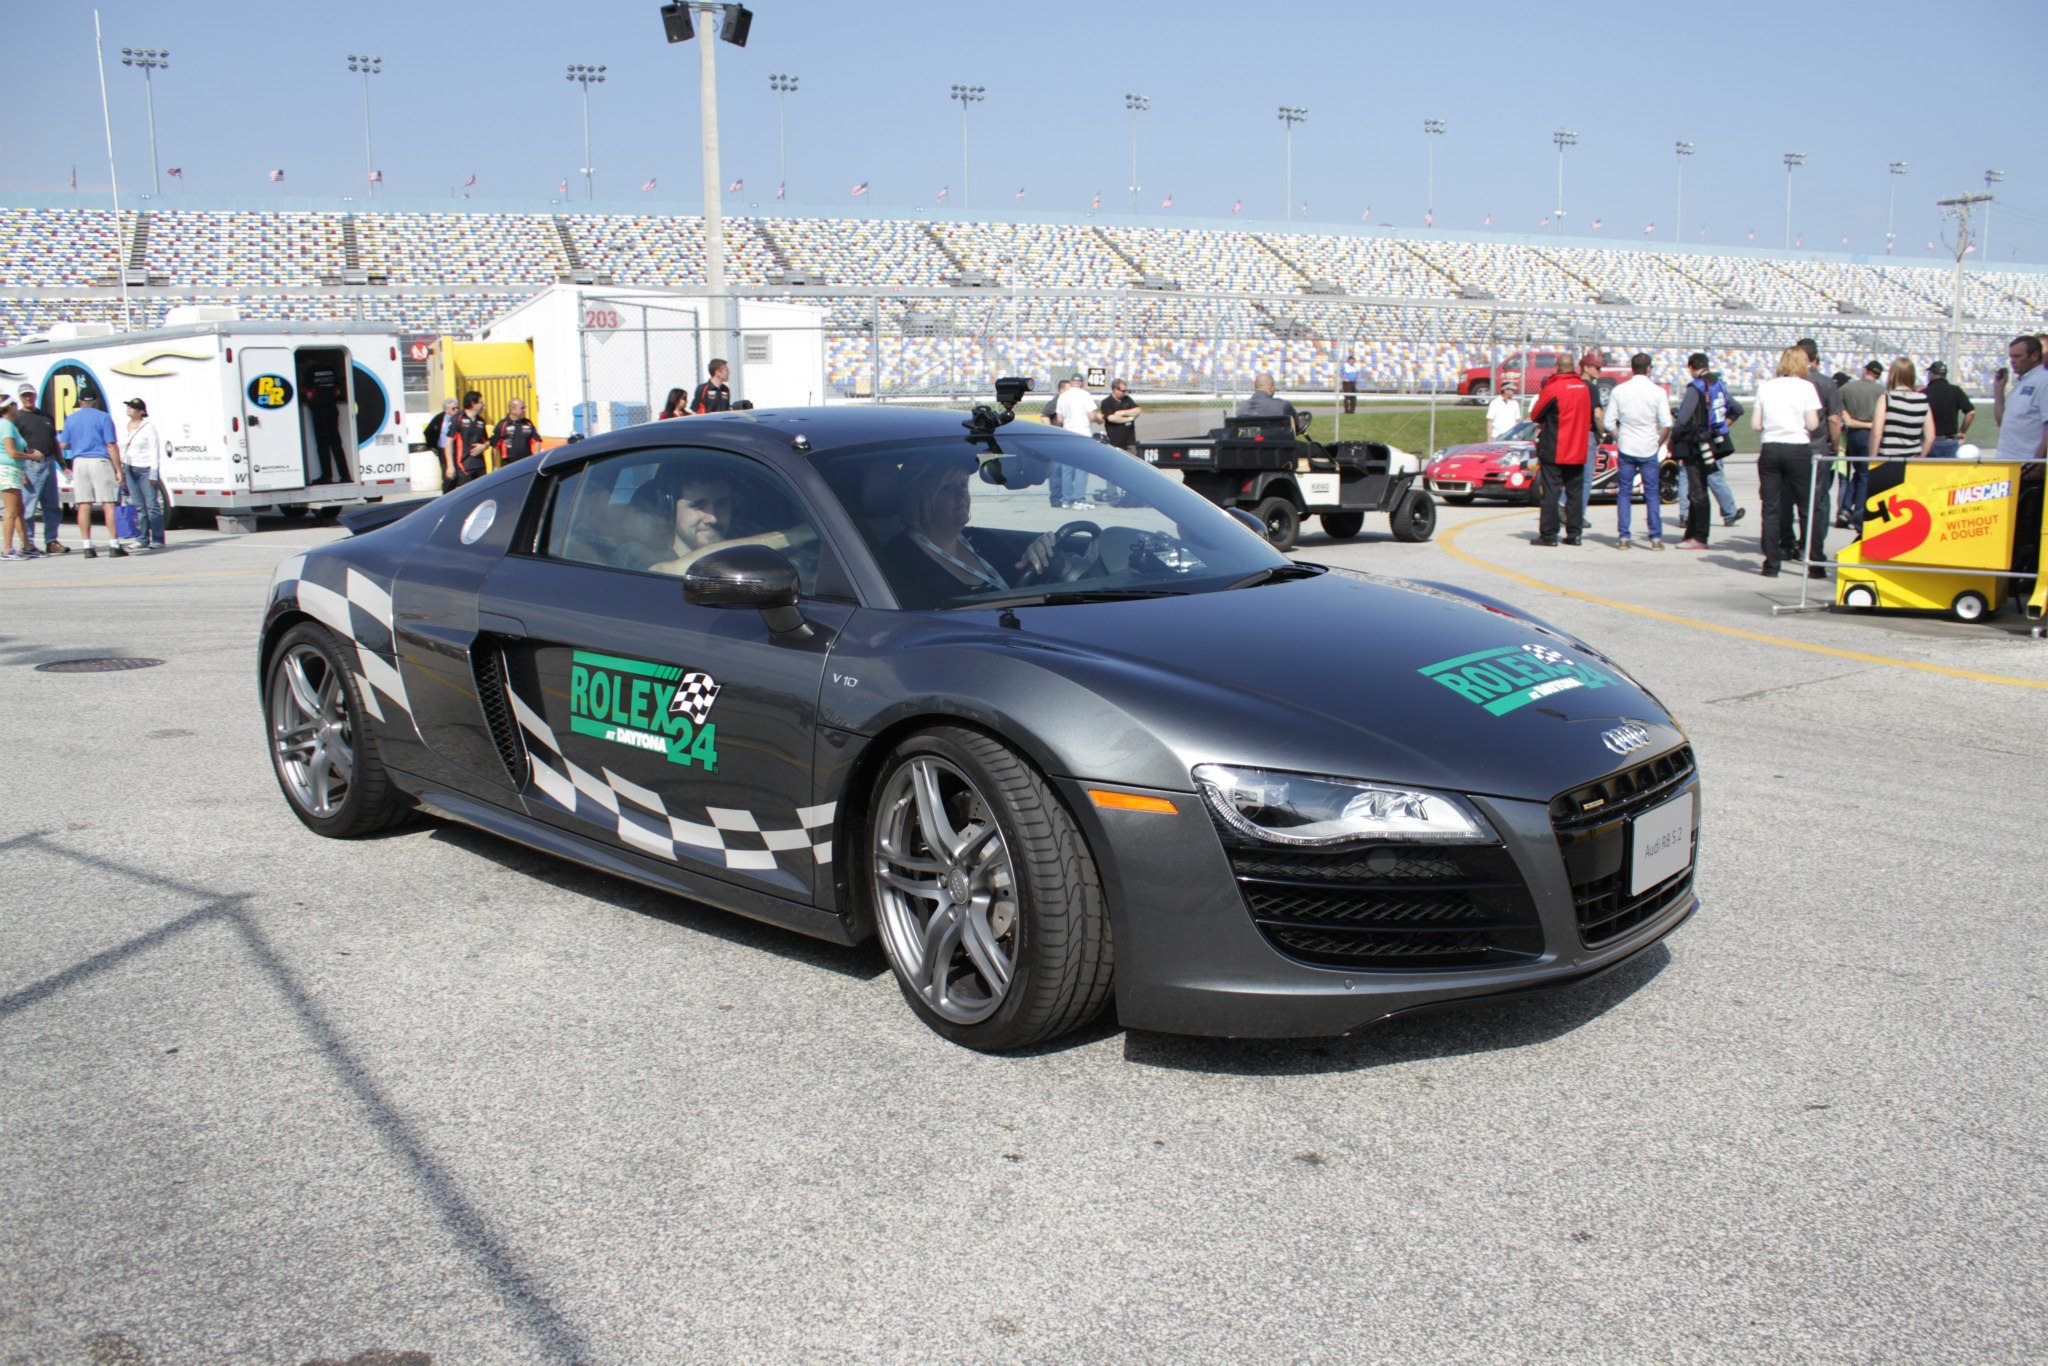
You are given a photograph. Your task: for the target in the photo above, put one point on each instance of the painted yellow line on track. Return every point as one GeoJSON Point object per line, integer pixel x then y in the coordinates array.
{"type": "Point", "coordinates": [152, 578]}
{"type": "Point", "coordinates": [1448, 543]}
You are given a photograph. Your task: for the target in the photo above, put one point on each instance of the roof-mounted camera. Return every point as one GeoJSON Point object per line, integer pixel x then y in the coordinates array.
{"type": "Point", "coordinates": [1010, 391]}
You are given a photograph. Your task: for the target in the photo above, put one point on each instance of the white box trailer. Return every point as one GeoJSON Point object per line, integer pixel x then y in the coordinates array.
{"type": "Point", "coordinates": [606, 357]}
{"type": "Point", "coordinates": [228, 397]}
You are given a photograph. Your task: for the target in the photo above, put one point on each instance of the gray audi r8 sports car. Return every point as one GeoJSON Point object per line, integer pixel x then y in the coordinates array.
{"type": "Point", "coordinates": [1053, 728]}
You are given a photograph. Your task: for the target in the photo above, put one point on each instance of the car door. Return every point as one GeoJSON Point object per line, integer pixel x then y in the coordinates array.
{"type": "Point", "coordinates": [270, 418]}
{"type": "Point", "coordinates": [677, 732]}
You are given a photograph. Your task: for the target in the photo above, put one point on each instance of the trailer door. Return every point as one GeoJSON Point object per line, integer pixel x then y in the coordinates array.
{"type": "Point", "coordinates": [270, 418]}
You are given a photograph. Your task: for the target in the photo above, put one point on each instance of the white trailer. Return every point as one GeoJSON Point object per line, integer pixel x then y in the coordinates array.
{"type": "Point", "coordinates": [605, 358]}
{"type": "Point", "coordinates": [229, 398]}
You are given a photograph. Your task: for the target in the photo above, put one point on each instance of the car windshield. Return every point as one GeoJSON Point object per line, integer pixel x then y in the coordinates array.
{"type": "Point", "coordinates": [1521, 431]}
{"type": "Point", "coordinates": [972, 522]}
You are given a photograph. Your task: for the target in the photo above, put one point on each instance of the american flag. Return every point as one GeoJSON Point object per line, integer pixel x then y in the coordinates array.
{"type": "Point", "coordinates": [1930, 245]}
{"type": "Point", "coordinates": [1649, 229]}
{"type": "Point", "coordinates": [1429, 218]}
{"type": "Point", "coordinates": [1366, 217]}
{"type": "Point", "coordinates": [376, 177]}
{"type": "Point", "coordinates": [859, 189]}
{"type": "Point", "coordinates": [1543, 222]}
{"type": "Point", "coordinates": [782, 191]}
{"type": "Point", "coordinates": [736, 187]}
{"type": "Point", "coordinates": [1166, 203]}
{"type": "Point", "coordinates": [644, 188]}
{"type": "Point", "coordinates": [1800, 240]}
{"type": "Point", "coordinates": [563, 188]}
{"type": "Point", "coordinates": [1845, 239]}
{"type": "Point", "coordinates": [1237, 206]}
{"type": "Point", "coordinates": [274, 176]}
{"type": "Point", "coordinates": [1018, 197]}
{"type": "Point", "coordinates": [1598, 224]}
{"type": "Point", "coordinates": [74, 177]}
{"type": "Point", "coordinates": [1096, 202]}
{"type": "Point", "coordinates": [175, 172]}
{"type": "Point", "coordinates": [469, 182]}
{"type": "Point", "coordinates": [1489, 220]}
{"type": "Point", "coordinates": [944, 190]}
{"type": "Point", "coordinates": [1752, 234]}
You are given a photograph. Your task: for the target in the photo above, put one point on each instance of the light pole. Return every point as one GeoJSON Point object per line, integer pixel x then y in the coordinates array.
{"type": "Point", "coordinates": [1678, 222]}
{"type": "Point", "coordinates": [783, 86]}
{"type": "Point", "coordinates": [587, 76]}
{"type": "Point", "coordinates": [1990, 178]}
{"type": "Point", "coordinates": [1891, 211]}
{"type": "Point", "coordinates": [1432, 129]}
{"type": "Point", "coordinates": [368, 66]}
{"type": "Point", "coordinates": [1793, 160]}
{"type": "Point", "coordinates": [966, 95]}
{"type": "Point", "coordinates": [1291, 115]}
{"type": "Point", "coordinates": [1137, 104]}
{"type": "Point", "coordinates": [151, 60]}
{"type": "Point", "coordinates": [737, 23]}
{"type": "Point", "coordinates": [1563, 137]}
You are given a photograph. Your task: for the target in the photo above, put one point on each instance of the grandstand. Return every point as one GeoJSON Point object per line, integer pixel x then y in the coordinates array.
{"type": "Point", "coordinates": [920, 306]}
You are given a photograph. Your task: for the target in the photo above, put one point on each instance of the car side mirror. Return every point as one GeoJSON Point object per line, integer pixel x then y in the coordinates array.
{"type": "Point", "coordinates": [1249, 522]}
{"type": "Point", "coordinates": [749, 576]}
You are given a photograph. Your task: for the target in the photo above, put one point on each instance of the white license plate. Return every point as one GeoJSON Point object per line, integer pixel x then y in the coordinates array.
{"type": "Point", "coordinates": [1660, 844]}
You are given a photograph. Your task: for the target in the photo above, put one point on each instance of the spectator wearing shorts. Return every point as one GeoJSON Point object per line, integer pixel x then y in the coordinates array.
{"type": "Point", "coordinates": [13, 529]}
{"type": "Point", "coordinates": [143, 445]}
{"type": "Point", "coordinates": [94, 450]}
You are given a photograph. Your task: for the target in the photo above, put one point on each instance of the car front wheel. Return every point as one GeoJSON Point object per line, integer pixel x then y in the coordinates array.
{"type": "Point", "coordinates": [985, 896]}
{"type": "Point", "coordinates": [324, 754]}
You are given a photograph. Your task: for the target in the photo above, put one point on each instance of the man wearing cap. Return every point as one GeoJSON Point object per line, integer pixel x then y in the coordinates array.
{"type": "Point", "coordinates": [1503, 412]}
{"type": "Point", "coordinates": [39, 477]}
{"type": "Point", "coordinates": [1077, 413]}
{"type": "Point", "coordinates": [94, 450]}
{"type": "Point", "coordinates": [1952, 409]}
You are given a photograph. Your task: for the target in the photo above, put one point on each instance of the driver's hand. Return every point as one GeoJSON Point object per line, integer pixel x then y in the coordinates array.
{"type": "Point", "coordinates": [1038, 554]}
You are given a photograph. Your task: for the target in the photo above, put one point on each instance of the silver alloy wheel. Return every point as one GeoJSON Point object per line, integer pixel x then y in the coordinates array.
{"type": "Point", "coordinates": [945, 890]}
{"type": "Point", "coordinates": [309, 730]}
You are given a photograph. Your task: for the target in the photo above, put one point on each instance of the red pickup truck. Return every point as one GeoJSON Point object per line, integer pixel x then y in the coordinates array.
{"type": "Point", "coordinates": [1526, 371]}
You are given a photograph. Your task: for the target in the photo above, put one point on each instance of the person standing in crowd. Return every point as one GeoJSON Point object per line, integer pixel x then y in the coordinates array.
{"type": "Point", "coordinates": [1825, 441]}
{"type": "Point", "coordinates": [325, 394]}
{"type": "Point", "coordinates": [1564, 410]}
{"type": "Point", "coordinates": [1859, 409]}
{"type": "Point", "coordinates": [39, 487]}
{"type": "Point", "coordinates": [469, 443]}
{"type": "Point", "coordinates": [1120, 413]}
{"type": "Point", "coordinates": [142, 451]}
{"type": "Point", "coordinates": [515, 437]}
{"type": "Point", "coordinates": [1722, 413]}
{"type": "Point", "coordinates": [1078, 413]}
{"type": "Point", "coordinates": [13, 455]}
{"type": "Point", "coordinates": [714, 395]}
{"type": "Point", "coordinates": [676, 405]}
{"type": "Point", "coordinates": [1692, 442]}
{"type": "Point", "coordinates": [451, 423]}
{"type": "Point", "coordinates": [1347, 382]}
{"type": "Point", "coordinates": [1952, 409]}
{"type": "Point", "coordinates": [1642, 429]}
{"type": "Point", "coordinates": [1903, 420]}
{"type": "Point", "coordinates": [1787, 412]}
{"type": "Point", "coordinates": [1502, 412]}
{"type": "Point", "coordinates": [432, 432]}
{"type": "Point", "coordinates": [1590, 365]}
{"type": "Point", "coordinates": [2021, 412]}
{"type": "Point", "coordinates": [94, 449]}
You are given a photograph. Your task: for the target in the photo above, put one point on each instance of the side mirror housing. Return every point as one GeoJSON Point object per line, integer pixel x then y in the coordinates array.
{"type": "Point", "coordinates": [1249, 522]}
{"type": "Point", "coordinates": [749, 576]}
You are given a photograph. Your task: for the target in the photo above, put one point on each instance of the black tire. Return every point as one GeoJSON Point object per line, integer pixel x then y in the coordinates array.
{"type": "Point", "coordinates": [1481, 388]}
{"type": "Point", "coordinates": [1282, 521]}
{"type": "Point", "coordinates": [1667, 482]}
{"type": "Point", "coordinates": [1415, 518]}
{"type": "Point", "coordinates": [328, 513]}
{"type": "Point", "coordinates": [368, 801]}
{"type": "Point", "coordinates": [291, 512]}
{"type": "Point", "coordinates": [1046, 911]}
{"type": "Point", "coordinates": [1342, 526]}
{"type": "Point", "coordinates": [1463, 500]}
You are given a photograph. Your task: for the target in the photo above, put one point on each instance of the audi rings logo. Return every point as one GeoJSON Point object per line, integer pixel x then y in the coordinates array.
{"type": "Point", "coordinates": [1625, 739]}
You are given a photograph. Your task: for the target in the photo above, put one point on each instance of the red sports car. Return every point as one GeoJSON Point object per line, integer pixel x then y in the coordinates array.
{"type": "Point", "coordinates": [1505, 469]}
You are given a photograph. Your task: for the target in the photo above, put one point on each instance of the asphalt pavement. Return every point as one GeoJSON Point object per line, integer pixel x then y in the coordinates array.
{"type": "Point", "coordinates": [269, 1098]}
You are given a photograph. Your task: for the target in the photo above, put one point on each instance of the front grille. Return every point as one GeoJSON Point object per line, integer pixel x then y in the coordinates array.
{"type": "Point", "coordinates": [1592, 825]}
{"type": "Point", "coordinates": [1394, 908]}
{"type": "Point", "coordinates": [487, 663]}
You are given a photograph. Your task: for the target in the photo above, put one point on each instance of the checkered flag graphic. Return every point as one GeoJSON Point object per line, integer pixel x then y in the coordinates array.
{"type": "Point", "coordinates": [694, 696]}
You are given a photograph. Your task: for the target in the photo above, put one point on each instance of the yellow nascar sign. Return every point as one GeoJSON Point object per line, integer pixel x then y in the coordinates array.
{"type": "Point", "coordinates": [1951, 514]}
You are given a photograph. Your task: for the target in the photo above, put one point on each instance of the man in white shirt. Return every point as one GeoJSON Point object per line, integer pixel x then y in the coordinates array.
{"type": "Point", "coordinates": [1641, 417]}
{"type": "Point", "coordinates": [1501, 414]}
{"type": "Point", "coordinates": [1077, 413]}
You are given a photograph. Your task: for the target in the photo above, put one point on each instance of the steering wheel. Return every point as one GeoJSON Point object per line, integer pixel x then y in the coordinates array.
{"type": "Point", "coordinates": [1069, 561]}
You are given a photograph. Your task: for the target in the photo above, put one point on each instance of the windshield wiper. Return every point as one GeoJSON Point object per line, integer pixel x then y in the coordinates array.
{"type": "Point", "coordinates": [1277, 573]}
{"type": "Point", "coordinates": [1069, 597]}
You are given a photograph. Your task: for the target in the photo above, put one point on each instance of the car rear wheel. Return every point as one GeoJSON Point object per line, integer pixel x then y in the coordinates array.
{"type": "Point", "coordinates": [1281, 520]}
{"type": "Point", "coordinates": [1342, 526]}
{"type": "Point", "coordinates": [1415, 518]}
{"type": "Point", "coordinates": [1481, 388]}
{"type": "Point", "coordinates": [985, 895]}
{"type": "Point", "coordinates": [324, 755]}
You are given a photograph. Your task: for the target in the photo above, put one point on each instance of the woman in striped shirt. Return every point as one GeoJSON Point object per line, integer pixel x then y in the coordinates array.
{"type": "Point", "coordinates": [1903, 423]}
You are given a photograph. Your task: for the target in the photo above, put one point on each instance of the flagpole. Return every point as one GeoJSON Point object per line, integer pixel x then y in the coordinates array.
{"type": "Point", "coordinates": [113, 177]}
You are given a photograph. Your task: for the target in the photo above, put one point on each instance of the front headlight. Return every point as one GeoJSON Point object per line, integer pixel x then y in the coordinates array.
{"type": "Point", "coordinates": [1295, 808]}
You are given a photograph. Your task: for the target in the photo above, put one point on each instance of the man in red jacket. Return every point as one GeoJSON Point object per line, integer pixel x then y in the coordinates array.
{"type": "Point", "coordinates": [1564, 410]}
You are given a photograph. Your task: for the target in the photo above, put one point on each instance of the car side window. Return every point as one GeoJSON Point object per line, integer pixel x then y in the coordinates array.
{"type": "Point", "coordinates": [658, 512]}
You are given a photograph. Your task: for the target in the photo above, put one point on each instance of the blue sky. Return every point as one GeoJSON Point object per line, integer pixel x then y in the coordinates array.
{"type": "Point", "coordinates": [479, 89]}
